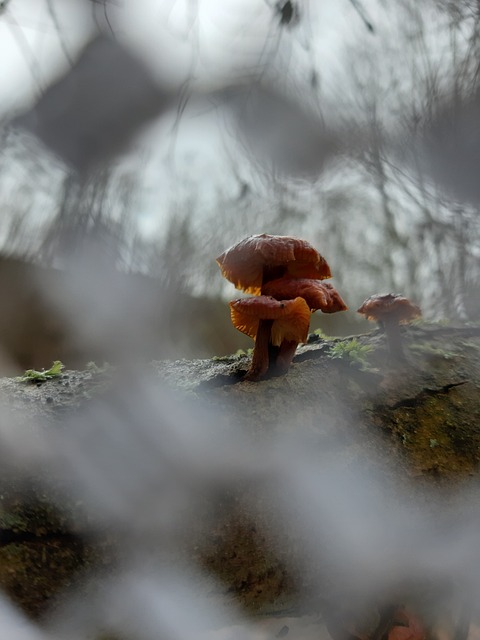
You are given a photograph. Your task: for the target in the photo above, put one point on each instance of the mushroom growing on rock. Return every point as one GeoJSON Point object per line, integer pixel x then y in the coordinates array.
{"type": "Point", "coordinates": [318, 295]}
{"type": "Point", "coordinates": [285, 274]}
{"type": "Point", "coordinates": [390, 311]}
{"type": "Point", "coordinates": [277, 326]}
{"type": "Point", "coordinates": [256, 260]}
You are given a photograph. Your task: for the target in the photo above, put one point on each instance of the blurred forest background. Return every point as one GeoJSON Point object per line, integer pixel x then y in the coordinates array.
{"type": "Point", "coordinates": [138, 140]}
{"type": "Point", "coordinates": [353, 125]}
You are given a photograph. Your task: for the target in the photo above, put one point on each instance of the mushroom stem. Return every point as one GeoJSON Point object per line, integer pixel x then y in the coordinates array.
{"type": "Point", "coordinates": [394, 339]}
{"type": "Point", "coordinates": [260, 360]}
{"type": "Point", "coordinates": [284, 357]}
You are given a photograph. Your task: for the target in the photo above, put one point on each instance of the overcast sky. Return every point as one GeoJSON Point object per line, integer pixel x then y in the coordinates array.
{"type": "Point", "coordinates": [39, 38]}
{"type": "Point", "coordinates": [211, 41]}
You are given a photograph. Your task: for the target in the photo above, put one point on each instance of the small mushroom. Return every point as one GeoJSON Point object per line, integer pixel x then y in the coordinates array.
{"type": "Point", "coordinates": [318, 295]}
{"type": "Point", "coordinates": [390, 311]}
{"type": "Point", "coordinates": [258, 259]}
{"type": "Point", "coordinates": [277, 326]}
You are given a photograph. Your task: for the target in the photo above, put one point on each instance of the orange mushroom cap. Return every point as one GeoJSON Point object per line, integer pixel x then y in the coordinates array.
{"type": "Point", "coordinates": [318, 295]}
{"type": "Point", "coordinates": [250, 263]}
{"type": "Point", "coordinates": [291, 318]}
{"type": "Point", "coordinates": [389, 306]}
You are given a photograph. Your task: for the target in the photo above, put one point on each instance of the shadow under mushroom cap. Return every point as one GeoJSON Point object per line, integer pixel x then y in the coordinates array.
{"type": "Point", "coordinates": [318, 295]}
{"type": "Point", "coordinates": [290, 318]}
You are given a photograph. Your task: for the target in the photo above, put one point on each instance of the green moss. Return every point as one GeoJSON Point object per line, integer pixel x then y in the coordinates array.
{"type": "Point", "coordinates": [31, 375]}
{"type": "Point", "coordinates": [428, 349]}
{"type": "Point", "coordinates": [470, 344]}
{"type": "Point", "coordinates": [321, 334]}
{"type": "Point", "coordinates": [234, 356]}
{"type": "Point", "coordinates": [353, 352]}
{"type": "Point", "coordinates": [13, 521]}
{"type": "Point", "coordinates": [438, 436]}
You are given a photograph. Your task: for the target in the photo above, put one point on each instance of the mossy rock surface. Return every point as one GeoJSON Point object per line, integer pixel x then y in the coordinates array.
{"type": "Point", "coordinates": [418, 422]}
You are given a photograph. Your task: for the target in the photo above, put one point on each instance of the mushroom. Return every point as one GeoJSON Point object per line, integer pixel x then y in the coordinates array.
{"type": "Point", "coordinates": [318, 295]}
{"type": "Point", "coordinates": [285, 273]}
{"type": "Point", "coordinates": [390, 311]}
{"type": "Point", "coordinates": [258, 259]}
{"type": "Point", "coordinates": [277, 326]}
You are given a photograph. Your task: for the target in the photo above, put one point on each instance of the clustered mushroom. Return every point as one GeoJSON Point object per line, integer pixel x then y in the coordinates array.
{"type": "Point", "coordinates": [391, 310]}
{"type": "Point", "coordinates": [285, 275]}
